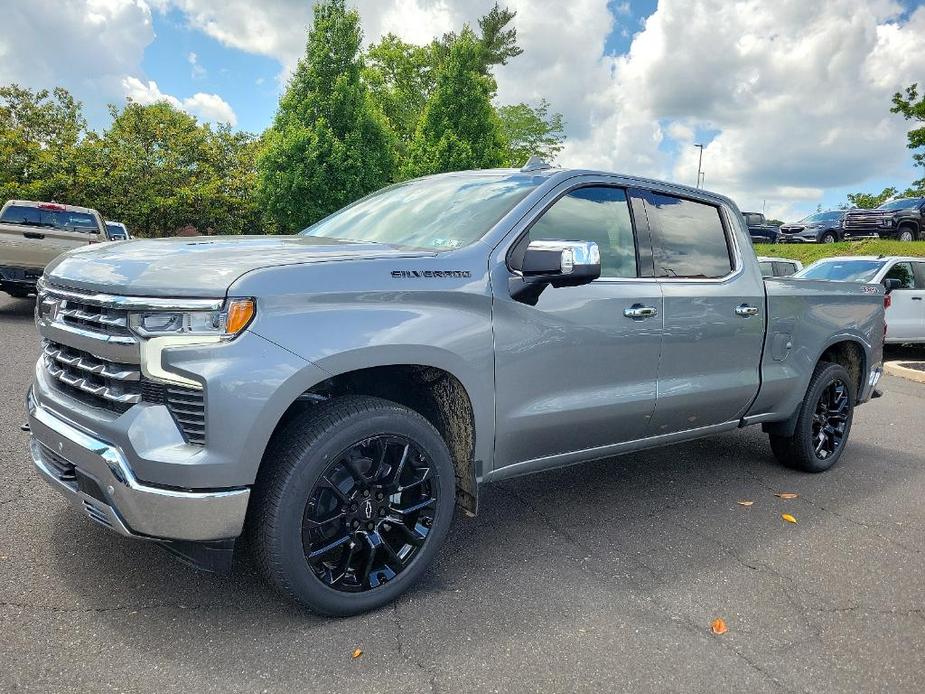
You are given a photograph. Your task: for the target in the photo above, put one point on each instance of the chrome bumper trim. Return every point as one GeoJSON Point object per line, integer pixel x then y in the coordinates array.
{"type": "Point", "coordinates": [134, 509]}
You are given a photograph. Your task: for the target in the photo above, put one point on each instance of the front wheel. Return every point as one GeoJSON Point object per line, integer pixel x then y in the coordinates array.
{"type": "Point", "coordinates": [823, 424]}
{"type": "Point", "coordinates": [353, 504]}
{"type": "Point", "coordinates": [906, 235]}
{"type": "Point", "coordinates": [829, 237]}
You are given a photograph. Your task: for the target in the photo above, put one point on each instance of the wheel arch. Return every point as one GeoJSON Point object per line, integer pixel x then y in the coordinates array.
{"type": "Point", "coordinates": [432, 390]}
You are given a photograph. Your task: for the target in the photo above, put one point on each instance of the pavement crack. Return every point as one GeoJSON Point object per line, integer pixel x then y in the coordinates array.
{"type": "Point", "coordinates": [408, 657]}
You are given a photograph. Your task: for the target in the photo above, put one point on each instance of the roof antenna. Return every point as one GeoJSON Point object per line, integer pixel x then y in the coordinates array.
{"type": "Point", "coordinates": [535, 163]}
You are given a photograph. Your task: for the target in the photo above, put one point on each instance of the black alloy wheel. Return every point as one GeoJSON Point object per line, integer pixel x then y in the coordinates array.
{"type": "Point", "coordinates": [353, 499]}
{"type": "Point", "coordinates": [370, 514]}
{"type": "Point", "coordinates": [820, 432]}
{"type": "Point", "coordinates": [830, 420]}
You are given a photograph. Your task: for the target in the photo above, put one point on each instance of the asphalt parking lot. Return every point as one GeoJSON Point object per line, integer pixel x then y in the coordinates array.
{"type": "Point", "coordinates": [603, 577]}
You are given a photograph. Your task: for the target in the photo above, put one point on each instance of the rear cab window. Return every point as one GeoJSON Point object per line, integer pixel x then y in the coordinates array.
{"type": "Point", "coordinates": [689, 239]}
{"type": "Point", "coordinates": [21, 214]}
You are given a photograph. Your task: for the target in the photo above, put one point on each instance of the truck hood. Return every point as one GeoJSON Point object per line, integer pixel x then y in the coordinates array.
{"type": "Point", "coordinates": [199, 267]}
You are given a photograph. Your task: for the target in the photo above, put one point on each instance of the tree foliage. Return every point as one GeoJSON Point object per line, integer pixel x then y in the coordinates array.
{"type": "Point", "coordinates": [912, 108]}
{"type": "Point", "coordinates": [39, 134]}
{"type": "Point", "coordinates": [328, 144]}
{"type": "Point", "coordinates": [869, 201]}
{"type": "Point", "coordinates": [531, 131]}
{"type": "Point", "coordinates": [162, 170]}
{"type": "Point", "coordinates": [459, 128]}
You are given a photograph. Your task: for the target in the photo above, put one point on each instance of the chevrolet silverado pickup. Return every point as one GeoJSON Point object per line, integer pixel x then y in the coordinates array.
{"type": "Point", "coordinates": [335, 394]}
{"type": "Point", "coordinates": [902, 219]}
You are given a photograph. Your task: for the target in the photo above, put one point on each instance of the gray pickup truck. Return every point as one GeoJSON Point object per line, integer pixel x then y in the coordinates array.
{"type": "Point", "coordinates": [333, 395]}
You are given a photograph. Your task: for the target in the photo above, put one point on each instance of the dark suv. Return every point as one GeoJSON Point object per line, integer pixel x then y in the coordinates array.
{"type": "Point", "coordinates": [900, 219]}
{"type": "Point", "coordinates": [822, 227]}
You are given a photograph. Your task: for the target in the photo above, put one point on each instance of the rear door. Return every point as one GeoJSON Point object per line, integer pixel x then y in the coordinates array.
{"type": "Point", "coordinates": [906, 314]}
{"type": "Point", "coordinates": [21, 236]}
{"type": "Point", "coordinates": [714, 306]}
{"type": "Point", "coordinates": [64, 230]}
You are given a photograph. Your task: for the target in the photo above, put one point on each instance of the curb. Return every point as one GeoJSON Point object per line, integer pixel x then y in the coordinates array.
{"type": "Point", "coordinates": [894, 369]}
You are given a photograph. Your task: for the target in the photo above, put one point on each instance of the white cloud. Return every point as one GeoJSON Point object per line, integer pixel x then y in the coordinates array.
{"type": "Point", "coordinates": [208, 107]}
{"type": "Point", "coordinates": [197, 70]}
{"type": "Point", "coordinates": [83, 45]}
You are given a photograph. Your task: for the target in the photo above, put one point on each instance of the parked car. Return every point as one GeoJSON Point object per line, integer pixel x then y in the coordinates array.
{"type": "Point", "coordinates": [905, 304]}
{"type": "Point", "coordinates": [778, 267]}
{"type": "Point", "coordinates": [901, 219]}
{"type": "Point", "coordinates": [344, 388]}
{"type": "Point", "coordinates": [117, 231]}
{"type": "Point", "coordinates": [759, 229]}
{"type": "Point", "coordinates": [34, 233]}
{"type": "Point", "coordinates": [821, 227]}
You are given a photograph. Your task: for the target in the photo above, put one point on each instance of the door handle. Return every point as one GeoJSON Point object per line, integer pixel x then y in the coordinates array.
{"type": "Point", "coordinates": [746, 311]}
{"type": "Point", "coordinates": [33, 235]}
{"type": "Point", "coordinates": [640, 311]}
{"type": "Point", "coordinates": [916, 298]}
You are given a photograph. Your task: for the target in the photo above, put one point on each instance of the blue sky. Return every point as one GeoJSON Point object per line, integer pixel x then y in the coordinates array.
{"type": "Point", "coordinates": [790, 97]}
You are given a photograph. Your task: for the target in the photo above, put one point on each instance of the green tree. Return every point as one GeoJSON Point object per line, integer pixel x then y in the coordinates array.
{"type": "Point", "coordinates": [328, 144]}
{"type": "Point", "coordinates": [459, 128]}
{"type": "Point", "coordinates": [868, 201]}
{"type": "Point", "coordinates": [531, 130]}
{"type": "Point", "coordinates": [39, 134]}
{"type": "Point", "coordinates": [912, 108]}
{"type": "Point", "coordinates": [496, 40]}
{"type": "Point", "coordinates": [400, 79]}
{"type": "Point", "coordinates": [158, 170]}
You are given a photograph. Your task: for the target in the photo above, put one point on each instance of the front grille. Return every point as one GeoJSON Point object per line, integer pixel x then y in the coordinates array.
{"type": "Point", "coordinates": [861, 220]}
{"type": "Point", "coordinates": [791, 230]}
{"type": "Point", "coordinates": [90, 379]}
{"type": "Point", "coordinates": [63, 468]}
{"type": "Point", "coordinates": [187, 405]}
{"type": "Point", "coordinates": [99, 319]}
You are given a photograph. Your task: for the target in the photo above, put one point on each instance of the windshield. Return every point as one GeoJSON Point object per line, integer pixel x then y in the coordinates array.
{"type": "Point", "coordinates": [901, 204]}
{"type": "Point", "coordinates": [822, 217]}
{"type": "Point", "coordinates": [842, 270]}
{"type": "Point", "coordinates": [437, 213]}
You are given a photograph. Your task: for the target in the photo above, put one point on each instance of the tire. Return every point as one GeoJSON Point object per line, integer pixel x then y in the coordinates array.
{"type": "Point", "coordinates": [398, 458]}
{"type": "Point", "coordinates": [906, 234]}
{"type": "Point", "coordinates": [799, 451]}
{"type": "Point", "coordinates": [829, 237]}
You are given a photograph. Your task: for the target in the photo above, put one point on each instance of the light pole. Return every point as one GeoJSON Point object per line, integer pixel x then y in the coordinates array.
{"type": "Point", "coordinates": [699, 162]}
{"type": "Point", "coordinates": [701, 178]}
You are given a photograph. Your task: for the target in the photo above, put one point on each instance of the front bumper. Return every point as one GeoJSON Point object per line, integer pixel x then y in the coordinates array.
{"type": "Point", "coordinates": [96, 478]}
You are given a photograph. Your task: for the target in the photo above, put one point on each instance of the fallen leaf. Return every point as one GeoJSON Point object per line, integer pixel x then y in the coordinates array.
{"type": "Point", "coordinates": [787, 517]}
{"type": "Point", "coordinates": [745, 503]}
{"type": "Point", "coordinates": [719, 626]}
{"type": "Point", "coordinates": [786, 495]}
{"type": "Point", "coordinates": [356, 654]}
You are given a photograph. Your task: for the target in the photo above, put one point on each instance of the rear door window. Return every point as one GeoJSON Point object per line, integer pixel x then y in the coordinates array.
{"type": "Point", "coordinates": [688, 238]}
{"type": "Point", "coordinates": [20, 214]}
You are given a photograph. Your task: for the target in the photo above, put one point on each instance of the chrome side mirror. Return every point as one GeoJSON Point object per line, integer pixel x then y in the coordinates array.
{"type": "Point", "coordinates": [562, 263]}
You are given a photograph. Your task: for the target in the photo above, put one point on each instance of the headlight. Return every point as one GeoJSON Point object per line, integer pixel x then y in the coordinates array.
{"type": "Point", "coordinates": [225, 323]}
{"type": "Point", "coordinates": [886, 222]}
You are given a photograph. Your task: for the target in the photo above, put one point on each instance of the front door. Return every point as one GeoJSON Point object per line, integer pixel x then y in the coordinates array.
{"type": "Point", "coordinates": [577, 371]}
{"type": "Point", "coordinates": [714, 314]}
{"type": "Point", "coordinates": [906, 316]}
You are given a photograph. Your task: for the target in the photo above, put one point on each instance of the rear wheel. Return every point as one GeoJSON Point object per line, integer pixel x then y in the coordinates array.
{"type": "Point", "coordinates": [353, 505]}
{"type": "Point", "coordinates": [823, 424]}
